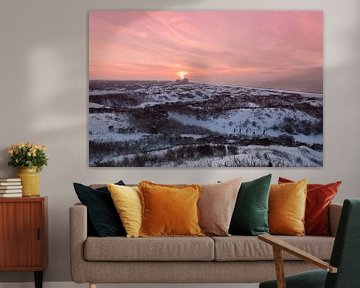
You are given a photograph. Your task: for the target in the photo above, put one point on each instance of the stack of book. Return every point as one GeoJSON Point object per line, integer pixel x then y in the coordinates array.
{"type": "Point", "coordinates": [10, 187]}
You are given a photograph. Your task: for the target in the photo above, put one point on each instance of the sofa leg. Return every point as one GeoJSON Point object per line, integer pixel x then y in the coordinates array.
{"type": "Point", "coordinates": [92, 285]}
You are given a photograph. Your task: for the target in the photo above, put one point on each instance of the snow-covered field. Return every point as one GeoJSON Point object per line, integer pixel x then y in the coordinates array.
{"type": "Point", "coordinates": [166, 124]}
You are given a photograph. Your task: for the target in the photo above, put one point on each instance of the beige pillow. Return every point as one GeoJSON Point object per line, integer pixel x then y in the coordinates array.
{"type": "Point", "coordinates": [216, 205]}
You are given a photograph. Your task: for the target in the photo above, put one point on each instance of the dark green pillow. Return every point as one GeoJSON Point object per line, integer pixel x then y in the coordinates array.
{"type": "Point", "coordinates": [250, 216]}
{"type": "Point", "coordinates": [103, 218]}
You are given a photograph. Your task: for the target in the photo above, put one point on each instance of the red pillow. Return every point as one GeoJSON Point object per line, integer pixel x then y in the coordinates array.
{"type": "Point", "coordinates": [319, 197]}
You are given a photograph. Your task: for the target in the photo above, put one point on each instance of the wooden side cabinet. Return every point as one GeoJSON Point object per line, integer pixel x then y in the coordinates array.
{"type": "Point", "coordinates": [23, 235]}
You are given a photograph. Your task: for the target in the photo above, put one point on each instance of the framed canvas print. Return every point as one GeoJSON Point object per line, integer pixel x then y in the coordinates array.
{"type": "Point", "coordinates": [205, 89]}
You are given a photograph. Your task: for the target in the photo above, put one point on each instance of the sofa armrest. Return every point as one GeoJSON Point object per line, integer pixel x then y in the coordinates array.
{"type": "Point", "coordinates": [78, 235]}
{"type": "Point", "coordinates": [334, 217]}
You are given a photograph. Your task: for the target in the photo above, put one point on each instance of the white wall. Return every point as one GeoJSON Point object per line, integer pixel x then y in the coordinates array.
{"type": "Point", "coordinates": [43, 90]}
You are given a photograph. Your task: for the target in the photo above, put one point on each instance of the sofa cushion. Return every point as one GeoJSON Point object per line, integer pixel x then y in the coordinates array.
{"type": "Point", "coordinates": [244, 248]}
{"type": "Point", "coordinates": [318, 199]}
{"type": "Point", "coordinates": [127, 201]}
{"type": "Point", "coordinates": [169, 210]}
{"type": "Point", "coordinates": [287, 204]}
{"type": "Point", "coordinates": [102, 216]}
{"type": "Point", "coordinates": [149, 249]}
{"type": "Point", "coordinates": [250, 215]}
{"type": "Point", "coordinates": [216, 206]}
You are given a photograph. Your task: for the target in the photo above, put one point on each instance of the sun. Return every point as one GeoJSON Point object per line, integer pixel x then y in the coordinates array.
{"type": "Point", "coordinates": [182, 74]}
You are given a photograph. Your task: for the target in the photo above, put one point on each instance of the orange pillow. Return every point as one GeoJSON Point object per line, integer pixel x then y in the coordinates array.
{"type": "Point", "coordinates": [319, 197]}
{"type": "Point", "coordinates": [287, 204]}
{"type": "Point", "coordinates": [169, 210]}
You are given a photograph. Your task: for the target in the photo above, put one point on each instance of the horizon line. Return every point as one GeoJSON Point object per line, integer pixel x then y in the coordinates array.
{"type": "Point", "coordinates": [244, 86]}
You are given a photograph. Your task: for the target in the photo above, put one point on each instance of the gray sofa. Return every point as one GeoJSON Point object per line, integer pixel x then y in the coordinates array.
{"type": "Point", "coordinates": [234, 259]}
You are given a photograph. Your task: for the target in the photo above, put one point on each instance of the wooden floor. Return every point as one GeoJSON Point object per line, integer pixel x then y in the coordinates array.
{"type": "Point", "coordinates": [74, 285]}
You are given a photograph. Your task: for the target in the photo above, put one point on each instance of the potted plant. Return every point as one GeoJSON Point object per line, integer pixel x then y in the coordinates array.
{"type": "Point", "coordinates": [30, 158]}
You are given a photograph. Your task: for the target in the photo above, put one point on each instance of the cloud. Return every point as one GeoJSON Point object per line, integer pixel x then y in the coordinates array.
{"type": "Point", "coordinates": [231, 47]}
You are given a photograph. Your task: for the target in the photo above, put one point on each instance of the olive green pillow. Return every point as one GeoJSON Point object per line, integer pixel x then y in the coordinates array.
{"type": "Point", "coordinates": [250, 216]}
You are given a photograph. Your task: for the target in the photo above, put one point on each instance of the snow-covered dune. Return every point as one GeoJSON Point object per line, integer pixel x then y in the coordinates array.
{"type": "Point", "coordinates": [150, 116]}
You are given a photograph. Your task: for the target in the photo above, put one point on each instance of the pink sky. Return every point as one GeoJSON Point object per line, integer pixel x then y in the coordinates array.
{"type": "Point", "coordinates": [276, 49]}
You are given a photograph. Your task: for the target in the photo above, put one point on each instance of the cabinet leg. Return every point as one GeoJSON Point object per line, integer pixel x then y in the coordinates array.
{"type": "Point", "coordinates": [38, 279]}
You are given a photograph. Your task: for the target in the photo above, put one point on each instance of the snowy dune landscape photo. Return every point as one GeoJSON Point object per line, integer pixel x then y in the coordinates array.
{"type": "Point", "coordinates": [149, 123]}
{"type": "Point", "coordinates": [173, 100]}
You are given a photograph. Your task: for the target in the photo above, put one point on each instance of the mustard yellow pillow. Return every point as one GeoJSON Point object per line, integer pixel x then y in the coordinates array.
{"type": "Point", "coordinates": [169, 210]}
{"type": "Point", "coordinates": [287, 204]}
{"type": "Point", "coordinates": [127, 201]}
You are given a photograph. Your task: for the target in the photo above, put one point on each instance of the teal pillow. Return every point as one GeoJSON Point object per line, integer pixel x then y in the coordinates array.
{"type": "Point", "coordinates": [250, 216]}
{"type": "Point", "coordinates": [103, 219]}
